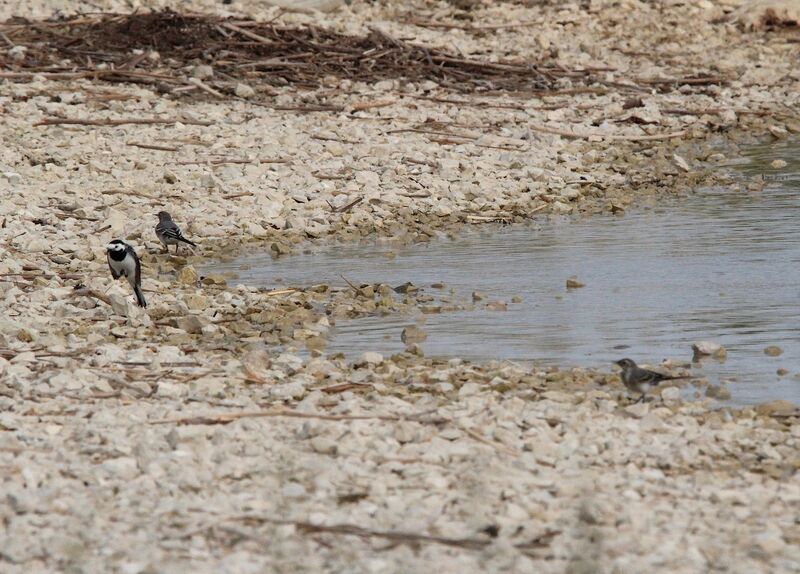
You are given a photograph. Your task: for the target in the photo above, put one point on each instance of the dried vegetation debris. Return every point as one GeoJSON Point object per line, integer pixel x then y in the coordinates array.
{"type": "Point", "coordinates": [160, 47]}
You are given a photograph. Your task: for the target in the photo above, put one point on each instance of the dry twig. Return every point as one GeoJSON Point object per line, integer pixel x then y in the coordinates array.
{"type": "Point", "coordinates": [226, 418]}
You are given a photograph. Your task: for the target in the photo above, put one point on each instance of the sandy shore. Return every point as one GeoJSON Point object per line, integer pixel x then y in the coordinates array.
{"type": "Point", "coordinates": [181, 439]}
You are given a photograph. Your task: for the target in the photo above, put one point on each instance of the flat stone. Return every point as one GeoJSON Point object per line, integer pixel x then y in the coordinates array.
{"type": "Point", "coordinates": [244, 91]}
{"type": "Point", "coordinates": [187, 275]}
{"type": "Point", "coordinates": [324, 445]}
{"type": "Point", "coordinates": [709, 348]}
{"type": "Point", "coordinates": [191, 323]}
{"type": "Point", "coordinates": [371, 358]}
{"type": "Point", "coordinates": [777, 407]}
{"type": "Point", "coordinates": [638, 410]}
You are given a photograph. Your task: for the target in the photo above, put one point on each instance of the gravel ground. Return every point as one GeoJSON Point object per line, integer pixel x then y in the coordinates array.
{"type": "Point", "coordinates": [185, 438]}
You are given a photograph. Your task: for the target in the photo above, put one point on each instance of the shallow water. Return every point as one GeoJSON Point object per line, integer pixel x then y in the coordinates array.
{"type": "Point", "coordinates": [721, 265]}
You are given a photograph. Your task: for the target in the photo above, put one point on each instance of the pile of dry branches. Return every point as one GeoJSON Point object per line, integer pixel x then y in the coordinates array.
{"type": "Point", "coordinates": [160, 47]}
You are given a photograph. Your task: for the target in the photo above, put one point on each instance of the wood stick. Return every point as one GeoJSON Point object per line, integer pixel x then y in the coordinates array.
{"type": "Point", "coordinates": [351, 205]}
{"type": "Point", "coordinates": [152, 146]}
{"type": "Point", "coordinates": [330, 139]}
{"type": "Point", "coordinates": [353, 287]}
{"type": "Point", "coordinates": [225, 418]}
{"type": "Point", "coordinates": [570, 134]}
{"type": "Point", "coordinates": [432, 132]}
{"type": "Point", "coordinates": [357, 107]}
{"type": "Point", "coordinates": [276, 292]}
{"type": "Point", "coordinates": [309, 108]}
{"type": "Point", "coordinates": [345, 208]}
{"type": "Point", "coordinates": [109, 122]}
{"type": "Point", "coordinates": [342, 387]}
{"type": "Point", "coordinates": [497, 446]}
{"type": "Point", "coordinates": [471, 28]}
{"type": "Point", "coordinates": [688, 81]}
{"type": "Point", "coordinates": [480, 104]}
{"type": "Point", "coordinates": [206, 88]}
{"type": "Point", "coordinates": [247, 34]}
{"type": "Point", "coordinates": [220, 161]}
{"type": "Point", "coordinates": [398, 537]}
{"type": "Point", "coordinates": [331, 177]}
{"type": "Point", "coordinates": [93, 294]}
{"type": "Point", "coordinates": [7, 40]}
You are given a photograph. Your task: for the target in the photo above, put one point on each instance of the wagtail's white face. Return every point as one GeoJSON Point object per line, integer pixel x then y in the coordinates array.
{"type": "Point", "coordinates": [116, 245]}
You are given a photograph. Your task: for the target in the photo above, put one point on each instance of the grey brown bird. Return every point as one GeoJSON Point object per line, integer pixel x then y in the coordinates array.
{"type": "Point", "coordinates": [169, 233]}
{"type": "Point", "coordinates": [640, 380]}
{"type": "Point", "coordinates": [123, 262]}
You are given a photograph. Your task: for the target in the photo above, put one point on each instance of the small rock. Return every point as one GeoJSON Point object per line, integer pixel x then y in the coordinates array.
{"type": "Point", "coordinates": [769, 543]}
{"type": "Point", "coordinates": [123, 467]}
{"type": "Point", "coordinates": [469, 389]}
{"type": "Point", "coordinates": [191, 324]}
{"type": "Point", "coordinates": [773, 351]}
{"type": "Point", "coordinates": [372, 358]}
{"type": "Point", "coordinates": [24, 335]}
{"type": "Point", "coordinates": [573, 283]}
{"type": "Point", "coordinates": [561, 207]}
{"type": "Point", "coordinates": [638, 410]}
{"type": "Point", "coordinates": [413, 335]}
{"type": "Point", "coordinates": [718, 392]}
{"type": "Point", "coordinates": [782, 372]}
{"type": "Point", "coordinates": [671, 394]}
{"type": "Point", "coordinates": [315, 344]}
{"type": "Point", "coordinates": [778, 163]}
{"type": "Point", "coordinates": [293, 490]}
{"type": "Point", "coordinates": [405, 432]}
{"type": "Point", "coordinates": [450, 433]}
{"type": "Point", "coordinates": [496, 306]}
{"type": "Point", "coordinates": [279, 248]}
{"type": "Point", "coordinates": [17, 53]}
{"type": "Point", "coordinates": [195, 302]}
{"type": "Point", "coordinates": [244, 91]}
{"type": "Point", "coordinates": [115, 221]}
{"type": "Point", "coordinates": [777, 407]}
{"type": "Point", "coordinates": [293, 390]}
{"type": "Point", "coordinates": [119, 304]}
{"type": "Point", "coordinates": [12, 177]}
{"type": "Point", "coordinates": [324, 445]}
{"type": "Point", "coordinates": [218, 280]}
{"type": "Point", "coordinates": [708, 348]}
{"type": "Point", "coordinates": [187, 275]}
{"type": "Point", "coordinates": [478, 296]}
{"type": "Point", "coordinates": [680, 162]}
{"type": "Point", "coordinates": [202, 72]}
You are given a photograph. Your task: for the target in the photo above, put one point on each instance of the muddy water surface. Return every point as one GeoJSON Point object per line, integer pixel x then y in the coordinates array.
{"type": "Point", "coordinates": [721, 265]}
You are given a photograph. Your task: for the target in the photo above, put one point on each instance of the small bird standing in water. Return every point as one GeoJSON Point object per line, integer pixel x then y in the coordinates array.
{"type": "Point", "coordinates": [640, 380]}
{"type": "Point", "coordinates": [123, 262]}
{"type": "Point", "coordinates": [169, 233]}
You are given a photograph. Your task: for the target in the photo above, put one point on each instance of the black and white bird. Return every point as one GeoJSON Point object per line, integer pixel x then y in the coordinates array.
{"type": "Point", "coordinates": [169, 233]}
{"type": "Point", "coordinates": [123, 262]}
{"type": "Point", "coordinates": [640, 380]}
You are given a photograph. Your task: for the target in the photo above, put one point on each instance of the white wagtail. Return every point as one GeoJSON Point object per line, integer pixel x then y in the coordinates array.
{"type": "Point", "coordinates": [168, 233]}
{"type": "Point", "coordinates": [122, 261]}
{"type": "Point", "coordinates": [640, 380]}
